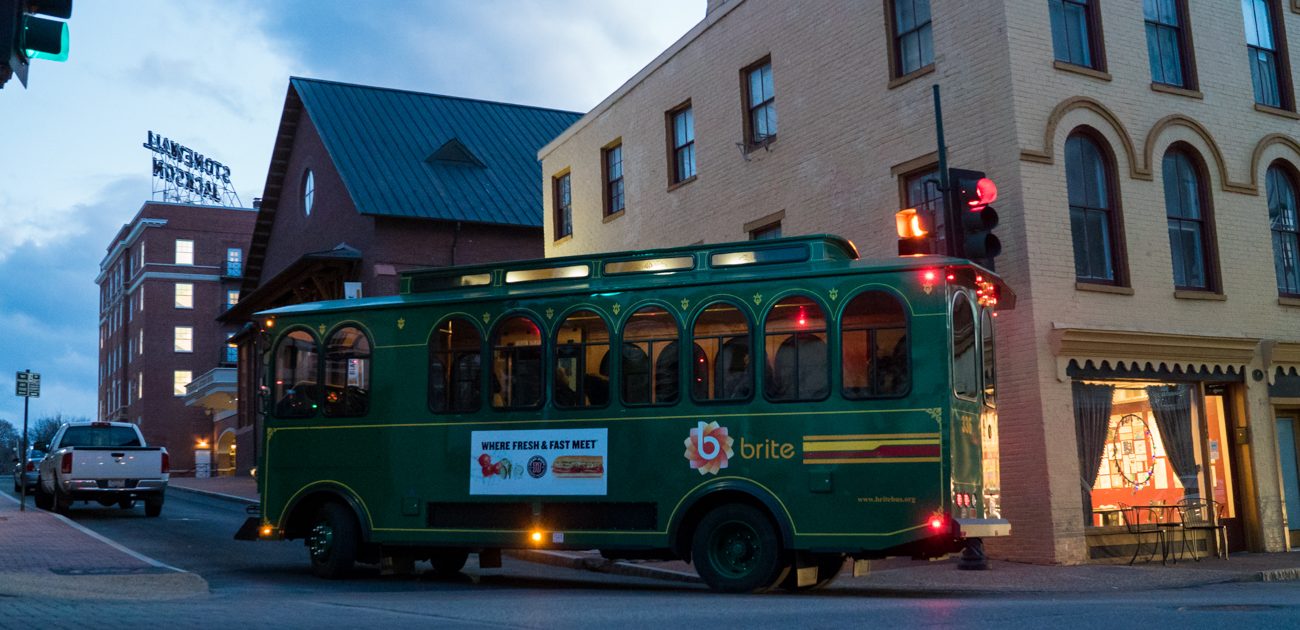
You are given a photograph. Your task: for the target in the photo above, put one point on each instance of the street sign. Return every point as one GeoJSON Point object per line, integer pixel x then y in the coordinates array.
{"type": "Point", "coordinates": [28, 385]}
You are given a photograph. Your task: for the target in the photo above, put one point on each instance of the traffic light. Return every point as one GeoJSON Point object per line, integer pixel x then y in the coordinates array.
{"type": "Point", "coordinates": [914, 228]}
{"type": "Point", "coordinates": [24, 36]}
{"type": "Point", "coordinates": [971, 216]}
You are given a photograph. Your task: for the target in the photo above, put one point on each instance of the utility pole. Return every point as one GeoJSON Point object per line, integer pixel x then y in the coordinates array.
{"type": "Point", "coordinates": [27, 385]}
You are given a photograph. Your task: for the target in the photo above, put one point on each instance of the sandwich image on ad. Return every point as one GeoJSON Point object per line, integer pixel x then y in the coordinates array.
{"type": "Point", "coordinates": [539, 462]}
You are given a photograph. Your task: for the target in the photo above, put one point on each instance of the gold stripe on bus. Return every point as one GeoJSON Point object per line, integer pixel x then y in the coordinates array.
{"type": "Point", "coordinates": [875, 460]}
{"type": "Point", "coordinates": [865, 445]}
{"type": "Point", "coordinates": [871, 436]}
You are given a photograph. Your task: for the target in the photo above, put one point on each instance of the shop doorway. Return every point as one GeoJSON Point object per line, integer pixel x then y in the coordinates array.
{"type": "Point", "coordinates": [225, 454]}
{"type": "Point", "coordinates": [1288, 432]}
{"type": "Point", "coordinates": [1223, 475]}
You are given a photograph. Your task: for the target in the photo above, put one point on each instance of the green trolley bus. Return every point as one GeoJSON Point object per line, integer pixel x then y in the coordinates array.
{"type": "Point", "coordinates": [761, 409]}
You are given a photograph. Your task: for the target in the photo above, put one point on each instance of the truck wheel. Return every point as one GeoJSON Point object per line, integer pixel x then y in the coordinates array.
{"type": "Point", "coordinates": [736, 549]}
{"type": "Point", "coordinates": [126, 504]}
{"type": "Point", "coordinates": [153, 506]}
{"type": "Point", "coordinates": [828, 566]}
{"type": "Point", "coordinates": [62, 502]}
{"type": "Point", "coordinates": [332, 542]}
{"type": "Point", "coordinates": [448, 561]}
{"type": "Point", "coordinates": [43, 500]}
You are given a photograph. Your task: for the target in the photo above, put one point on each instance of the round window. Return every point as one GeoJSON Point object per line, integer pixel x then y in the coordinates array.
{"type": "Point", "coordinates": [308, 191]}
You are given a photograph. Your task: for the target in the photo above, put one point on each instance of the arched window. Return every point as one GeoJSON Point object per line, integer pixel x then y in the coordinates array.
{"type": "Point", "coordinates": [517, 364]}
{"type": "Point", "coordinates": [1285, 222]}
{"type": "Point", "coordinates": [873, 347]}
{"type": "Point", "coordinates": [721, 368]}
{"type": "Point", "coordinates": [650, 372]}
{"type": "Point", "coordinates": [581, 365]}
{"type": "Point", "coordinates": [297, 386]}
{"type": "Point", "coordinates": [308, 191]}
{"type": "Point", "coordinates": [1094, 225]}
{"type": "Point", "coordinates": [965, 370]}
{"type": "Point", "coordinates": [797, 363]}
{"type": "Point", "coordinates": [455, 358]}
{"type": "Point", "coordinates": [1187, 211]}
{"type": "Point", "coordinates": [347, 373]}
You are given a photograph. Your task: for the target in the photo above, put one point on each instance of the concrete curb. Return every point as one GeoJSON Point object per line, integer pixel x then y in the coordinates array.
{"type": "Point", "coordinates": [1278, 575]}
{"type": "Point", "coordinates": [217, 495]}
{"type": "Point", "coordinates": [602, 565]}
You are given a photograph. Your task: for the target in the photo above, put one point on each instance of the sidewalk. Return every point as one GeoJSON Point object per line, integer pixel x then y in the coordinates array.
{"type": "Point", "coordinates": [908, 576]}
{"type": "Point", "coordinates": [46, 555]}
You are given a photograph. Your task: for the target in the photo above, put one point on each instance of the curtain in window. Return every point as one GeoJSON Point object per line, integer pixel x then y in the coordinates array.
{"type": "Point", "coordinates": [1092, 405]}
{"type": "Point", "coordinates": [1173, 410]}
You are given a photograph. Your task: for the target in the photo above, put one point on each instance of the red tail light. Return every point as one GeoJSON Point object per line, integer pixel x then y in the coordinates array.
{"type": "Point", "coordinates": [66, 464]}
{"type": "Point", "coordinates": [31, 466]}
{"type": "Point", "coordinates": [936, 522]}
{"type": "Point", "coordinates": [166, 462]}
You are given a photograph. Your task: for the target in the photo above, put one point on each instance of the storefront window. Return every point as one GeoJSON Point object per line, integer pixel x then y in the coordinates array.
{"type": "Point", "coordinates": [1146, 443]}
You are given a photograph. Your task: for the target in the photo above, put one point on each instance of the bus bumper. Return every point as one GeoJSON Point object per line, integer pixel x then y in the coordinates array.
{"type": "Point", "coordinates": [983, 527]}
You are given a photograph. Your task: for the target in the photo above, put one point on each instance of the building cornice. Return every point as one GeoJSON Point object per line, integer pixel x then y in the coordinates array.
{"type": "Point", "coordinates": [125, 243]}
{"type": "Point", "coordinates": [1137, 350]}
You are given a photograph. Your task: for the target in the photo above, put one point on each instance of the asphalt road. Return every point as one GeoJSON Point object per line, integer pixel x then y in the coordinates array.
{"type": "Point", "coordinates": [268, 585]}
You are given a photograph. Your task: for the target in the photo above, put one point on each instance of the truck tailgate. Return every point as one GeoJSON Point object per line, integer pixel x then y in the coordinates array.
{"type": "Point", "coordinates": [116, 462]}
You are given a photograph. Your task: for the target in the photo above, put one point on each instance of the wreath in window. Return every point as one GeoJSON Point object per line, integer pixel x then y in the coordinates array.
{"type": "Point", "coordinates": [1136, 464]}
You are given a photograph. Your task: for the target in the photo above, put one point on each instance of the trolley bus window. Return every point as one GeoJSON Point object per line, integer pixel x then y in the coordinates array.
{"type": "Point", "coordinates": [798, 365]}
{"type": "Point", "coordinates": [581, 368]}
{"type": "Point", "coordinates": [990, 358]}
{"type": "Point", "coordinates": [650, 372]}
{"type": "Point", "coordinates": [296, 382]}
{"type": "Point", "coordinates": [455, 355]}
{"type": "Point", "coordinates": [873, 347]}
{"type": "Point", "coordinates": [965, 370]}
{"type": "Point", "coordinates": [517, 364]}
{"type": "Point", "coordinates": [721, 369]}
{"type": "Point", "coordinates": [347, 373]}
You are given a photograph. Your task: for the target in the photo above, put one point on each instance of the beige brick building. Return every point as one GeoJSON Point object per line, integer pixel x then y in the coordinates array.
{"type": "Point", "coordinates": [1165, 259]}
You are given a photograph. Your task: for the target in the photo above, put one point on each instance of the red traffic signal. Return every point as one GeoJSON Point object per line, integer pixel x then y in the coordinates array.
{"type": "Point", "coordinates": [972, 216]}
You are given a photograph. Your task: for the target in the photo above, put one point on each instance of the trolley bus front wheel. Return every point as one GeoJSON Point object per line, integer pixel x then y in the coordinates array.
{"type": "Point", "coordinates": [332, 542]}
{"type": "Point", "coordinates": [737, 549]}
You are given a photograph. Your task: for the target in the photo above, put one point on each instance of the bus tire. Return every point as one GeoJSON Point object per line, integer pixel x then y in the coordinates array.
{"type": "Point", "coordinates": [448, 561]}
{"type": "Point", "coordinates": [737, 549]}
{"type": "Point", "coordinates": [332, 542]}
{"type": "Point", "coordinates": [828, 566]}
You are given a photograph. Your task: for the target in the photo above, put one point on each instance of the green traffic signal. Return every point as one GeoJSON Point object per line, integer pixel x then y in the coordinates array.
{"type": "Point", "coordinates": [45, 39]}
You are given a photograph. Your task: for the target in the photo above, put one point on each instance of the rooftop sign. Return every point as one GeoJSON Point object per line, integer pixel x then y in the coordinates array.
{"type": "Point", "coordinates": [187, 175]}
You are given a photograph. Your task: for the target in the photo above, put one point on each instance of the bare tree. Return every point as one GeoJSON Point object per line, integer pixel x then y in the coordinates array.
{"type": "Point", "coordinates": [44, 428]}
{"type": "Point", "coordinates": [10, 436]}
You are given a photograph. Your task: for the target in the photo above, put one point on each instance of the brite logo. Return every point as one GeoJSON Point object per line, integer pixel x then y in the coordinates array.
{"type": "Point", "coordinates": [709, 447]}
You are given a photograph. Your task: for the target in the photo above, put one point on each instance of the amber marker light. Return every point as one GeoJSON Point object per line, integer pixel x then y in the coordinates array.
{"type": "Point", "coordinates": [908, 223]}
{"type": "Point", "coordinates": [537, 537]}
{"type": "Point", "coordinates": [267, 530]}
{"type": "Point", "coordinates": [270, 322]}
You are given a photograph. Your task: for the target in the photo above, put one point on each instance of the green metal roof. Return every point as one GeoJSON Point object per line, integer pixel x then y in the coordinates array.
{"type": "Point", "coordinates": [386, 145]}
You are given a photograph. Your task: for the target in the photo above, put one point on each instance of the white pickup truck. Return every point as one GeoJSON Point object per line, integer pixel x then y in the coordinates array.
{"type": "Point", "coordinates": [106, 462]}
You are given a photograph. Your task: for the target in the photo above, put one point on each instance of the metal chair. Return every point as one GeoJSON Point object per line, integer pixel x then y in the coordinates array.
{"type": "Point", "coordinates": [1203, 515]}
{"type": "Point", "coordinates": [1142, 521]}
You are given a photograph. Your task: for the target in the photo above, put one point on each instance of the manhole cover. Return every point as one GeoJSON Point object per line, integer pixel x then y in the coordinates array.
{"type": "Point", "coordinates": [110, 571]}
{"type": "Point", "coordinates": [1233, 607]}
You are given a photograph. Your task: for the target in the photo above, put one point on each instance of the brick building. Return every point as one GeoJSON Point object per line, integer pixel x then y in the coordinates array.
{"type": "Point", "coordinates": [1148, 175]}
{"type": "Point", "coordinates": [366, 182]}
{"type": "Point", "coordinates": [167, 276]}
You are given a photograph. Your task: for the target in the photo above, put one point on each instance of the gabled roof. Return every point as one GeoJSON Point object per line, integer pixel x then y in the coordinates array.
{"type": "Point", "coordinates": [380, 140]}
{"type": "Point", "coordinates": [383, 143]}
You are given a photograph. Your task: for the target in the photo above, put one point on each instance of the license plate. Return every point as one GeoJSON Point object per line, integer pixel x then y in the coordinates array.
{"type": "Point", "coordinates": [117, 483]}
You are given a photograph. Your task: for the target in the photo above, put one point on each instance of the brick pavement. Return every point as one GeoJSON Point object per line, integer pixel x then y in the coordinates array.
{"type": "Point", "coordinates": [43, 554]}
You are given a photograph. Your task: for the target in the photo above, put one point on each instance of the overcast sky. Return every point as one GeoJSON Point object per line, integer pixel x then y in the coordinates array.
{"type": "Point", "coordinates": [212, 74]}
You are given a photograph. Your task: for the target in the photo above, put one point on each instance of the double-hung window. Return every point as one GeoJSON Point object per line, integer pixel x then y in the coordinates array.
{"type": "Point", "coordinates": [615, 201]}
{"type": "Point", "coordinates": [913, 44]}
{"type": "Point", "coordinates": [1268, 68]}
{"type": "Point", "coordinates": [1168, 47]}
{"type": "Point", "coordinates": [1093, 220]}
{"type": "Point", "coordinates": [760, 104]}
{"type": "Point", "coordinates": [681, 131]}
{"type": "Point", "coordinates": [563, 206]}
{"type": "Point", "coordinates": [1187, 213]}
{"type": "Point", "coordinates": [1076, 32]}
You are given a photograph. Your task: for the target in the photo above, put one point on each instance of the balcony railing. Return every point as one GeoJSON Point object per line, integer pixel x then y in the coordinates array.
{"type": "Point", "coordinates": [214, 389]}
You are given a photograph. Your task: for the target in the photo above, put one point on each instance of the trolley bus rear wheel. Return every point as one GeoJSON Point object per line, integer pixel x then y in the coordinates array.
{"type": "Point", "coordinates": [332, 542]}
{"type": "Point", "coordinates": [736, 549]}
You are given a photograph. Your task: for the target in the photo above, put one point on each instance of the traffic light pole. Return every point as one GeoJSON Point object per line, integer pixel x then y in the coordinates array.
{"type": "Point", "coordinates": [949, 230]}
